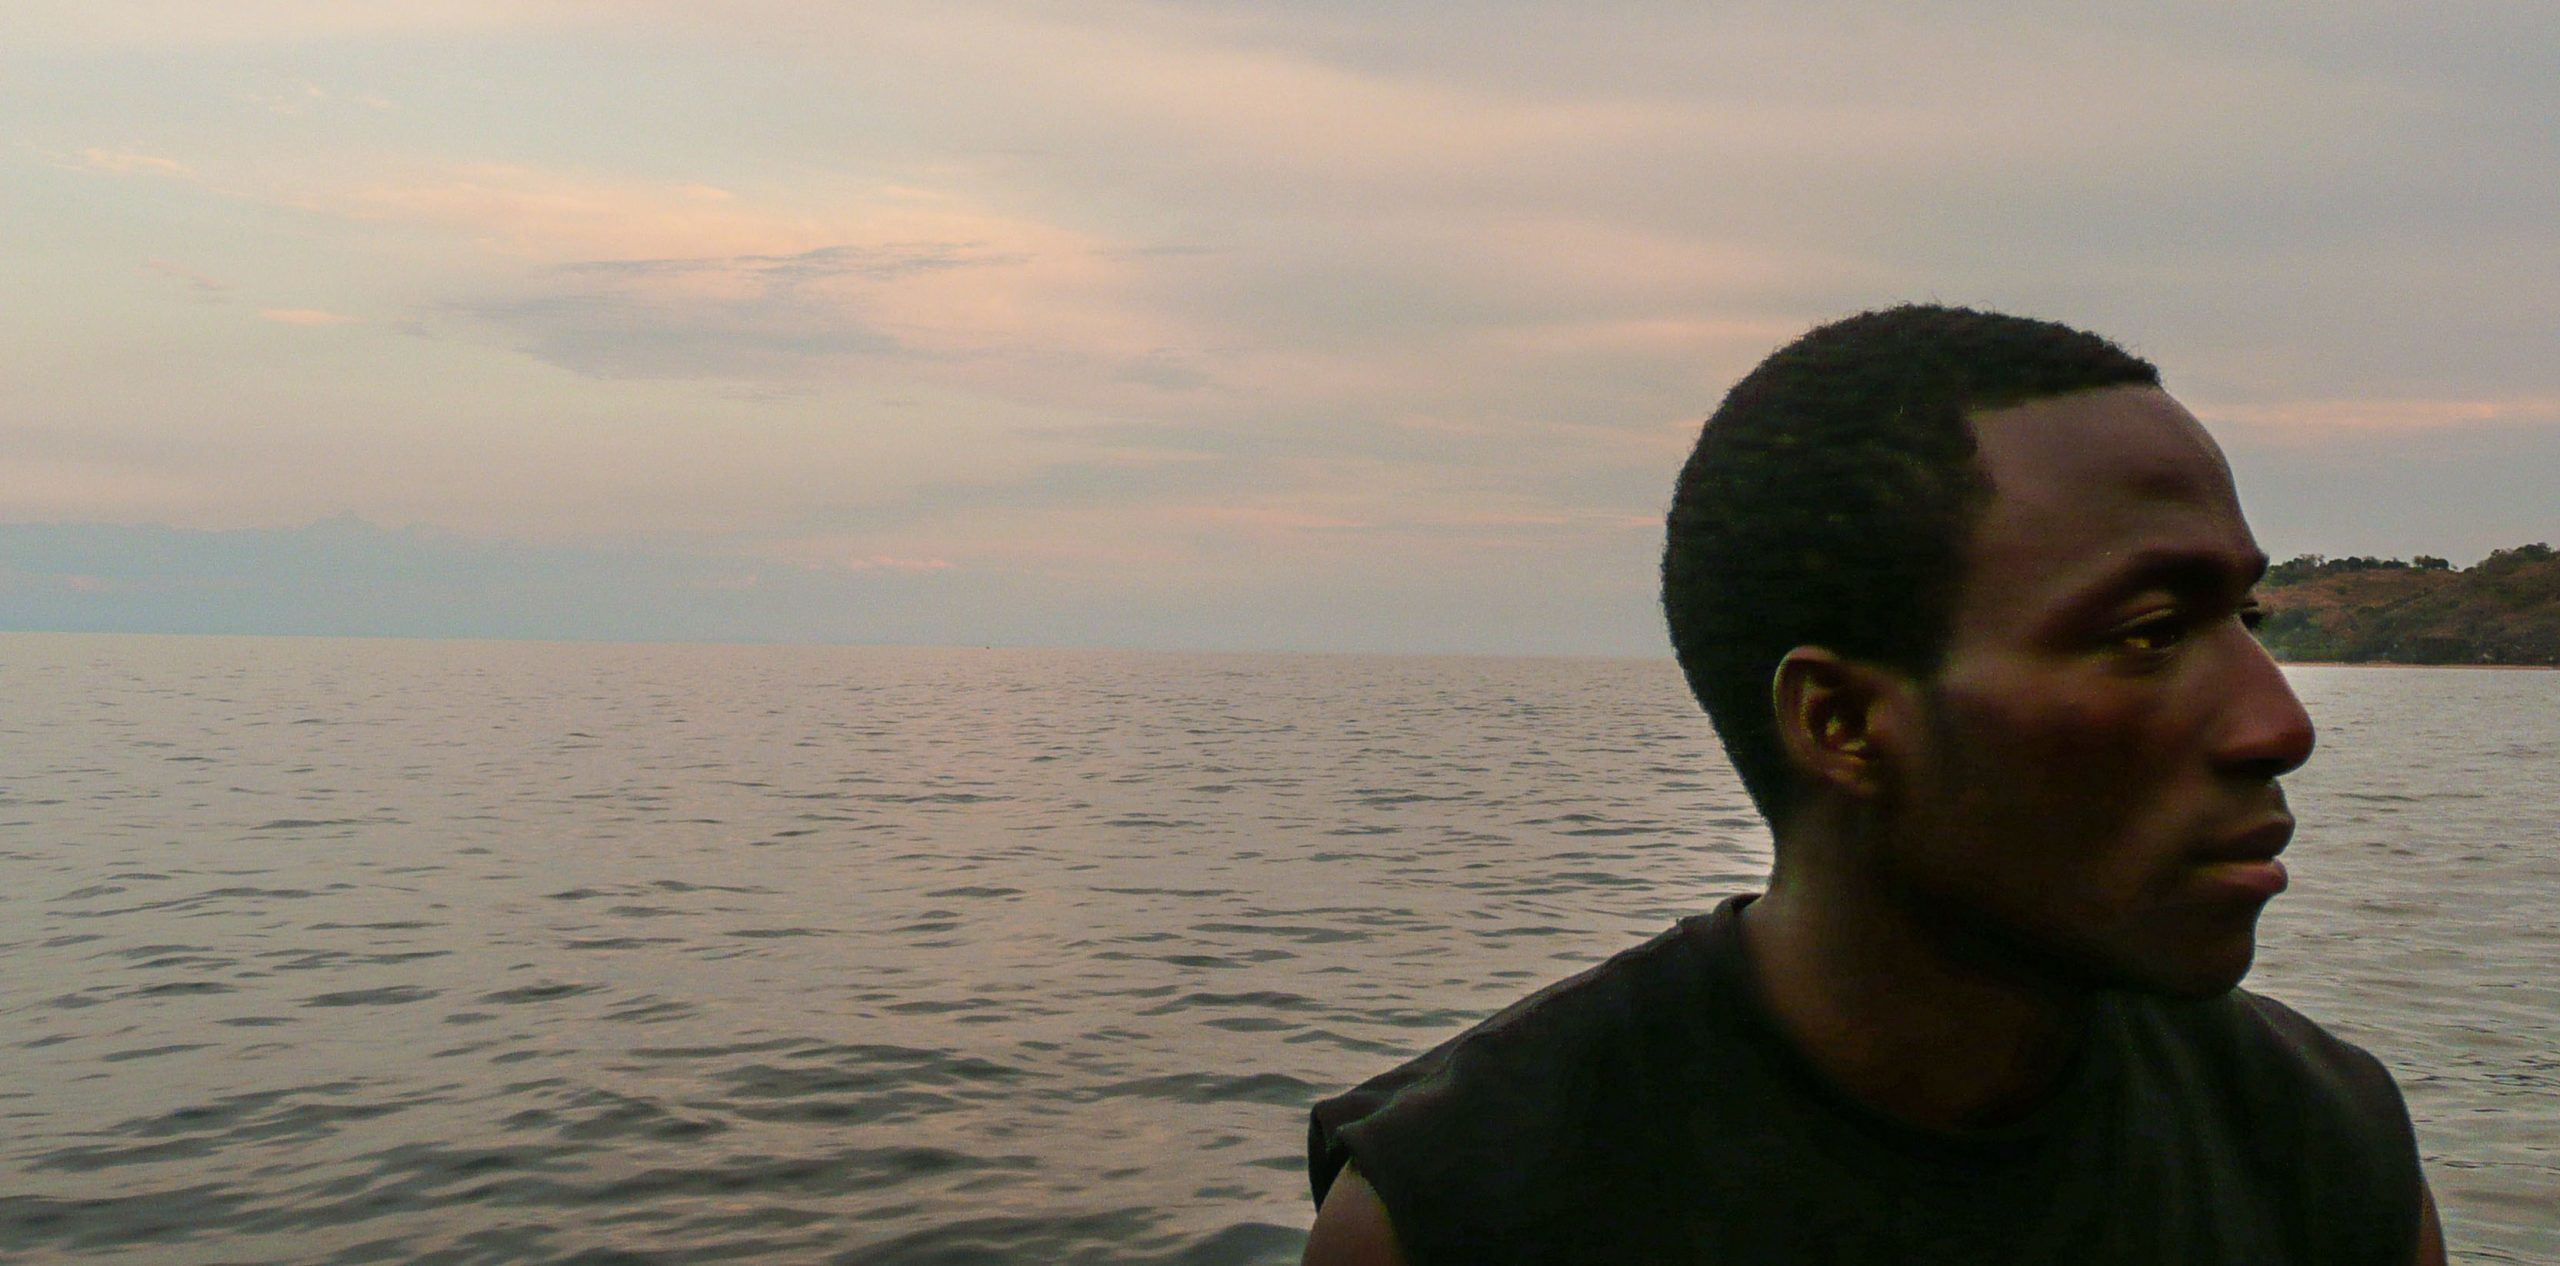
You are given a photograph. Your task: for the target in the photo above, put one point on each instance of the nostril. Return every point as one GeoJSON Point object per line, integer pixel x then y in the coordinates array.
{"type": "Point", "coordinates": [2265, 769]}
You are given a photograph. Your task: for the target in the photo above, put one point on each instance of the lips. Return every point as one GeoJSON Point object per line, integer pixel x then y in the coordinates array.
{"type": "Point", "coordinates": [2258, 843]}
{"type": "Point", "coordinates": [2258, 879]}
{"type": "Point", "coordinates": [2243, 864]}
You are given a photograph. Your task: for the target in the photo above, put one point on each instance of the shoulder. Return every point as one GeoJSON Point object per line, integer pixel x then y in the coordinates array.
{"type": "Point", "coordinates": [1545, 1040]}
{"type": "Point", "coordinates": [2323, 1115]}
{"type": "Point", "coordinates": [1352, 1228]}
{"type": "Point", "coordinates": [2263, 1046]}
{"type": "Point", "coordinates": [1527, 1107]}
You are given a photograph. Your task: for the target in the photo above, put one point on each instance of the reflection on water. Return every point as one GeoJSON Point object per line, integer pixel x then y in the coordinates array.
{"type": "Point", "coordinates": [382, 951]}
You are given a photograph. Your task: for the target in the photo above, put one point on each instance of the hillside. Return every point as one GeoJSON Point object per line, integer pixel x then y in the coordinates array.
{"type": "Point", "coordinates": [2503, 610]}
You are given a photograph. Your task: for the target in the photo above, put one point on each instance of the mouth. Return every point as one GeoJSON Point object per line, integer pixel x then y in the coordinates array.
{"type": "Point", "coordinates": [2260, 842]}
{"type": "Point", "coordinates": [2244, 865]}
{"type": "Point", "coordinates": [2262, 880]}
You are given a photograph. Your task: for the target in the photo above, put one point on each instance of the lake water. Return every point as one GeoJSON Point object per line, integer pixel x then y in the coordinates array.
{"type": "Point", "coordinates": [355, 951]}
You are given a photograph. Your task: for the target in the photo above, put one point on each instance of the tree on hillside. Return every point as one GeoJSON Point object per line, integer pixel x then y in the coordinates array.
{"type": "Point", "coordinates": [2503, 610]}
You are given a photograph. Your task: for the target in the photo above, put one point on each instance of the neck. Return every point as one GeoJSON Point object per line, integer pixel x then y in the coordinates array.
{"type": "Point", "coordinates": [1899, 1018]}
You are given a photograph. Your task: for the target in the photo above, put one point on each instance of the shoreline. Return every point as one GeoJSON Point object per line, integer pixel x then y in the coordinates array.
{"type": "Point", "coordinates": [2388, 663]}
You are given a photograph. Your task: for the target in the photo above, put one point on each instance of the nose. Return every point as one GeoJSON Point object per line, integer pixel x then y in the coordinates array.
{"type": "Point", "coordinates": [2265, 733]}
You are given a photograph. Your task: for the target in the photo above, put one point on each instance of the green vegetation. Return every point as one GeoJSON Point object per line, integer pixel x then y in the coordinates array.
{"type": "Point", "coordinates": [2504, 610]}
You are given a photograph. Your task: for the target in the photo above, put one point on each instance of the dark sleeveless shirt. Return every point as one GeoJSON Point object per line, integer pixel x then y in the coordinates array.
{"type": "Point", "coordinates": [1650, 1110]}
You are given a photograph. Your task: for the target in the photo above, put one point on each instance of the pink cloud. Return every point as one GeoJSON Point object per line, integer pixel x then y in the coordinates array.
{"type": "Point", "coordinates": [173, 23]}
{"type": "Point", "coordinates": [1665, 336]}
{"type": "Point", "coordinates": [201, 283]}
{"type": "Point", "coordinates": [764, 283]}
{"type": "Point", "coordinates": [550, 215]}
{"type": "Point", "coordinates": [2302, 417]}
{"type": "Point", "coordinates": [885, 562]}
{"type": "Point", "coordinates": [130, 164]}
{"type": "Point", "coordinates": [307, 316]}
{"type": "Point", "coordinates": [836, 553]}
{"type": "Point", "coordinates": [1263, 518]}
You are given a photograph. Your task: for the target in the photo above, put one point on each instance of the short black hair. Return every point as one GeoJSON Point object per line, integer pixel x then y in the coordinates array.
{"type": "Point", "coordinates": [1830, 497]}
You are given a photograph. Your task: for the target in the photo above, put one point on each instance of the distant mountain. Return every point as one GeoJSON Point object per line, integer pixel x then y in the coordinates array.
{"type": "Point", "coordinates": [2503, 610]}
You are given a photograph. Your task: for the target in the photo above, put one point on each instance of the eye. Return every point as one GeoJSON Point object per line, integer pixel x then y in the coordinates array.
{"type": "Point", "coordinates": [2151, 635]}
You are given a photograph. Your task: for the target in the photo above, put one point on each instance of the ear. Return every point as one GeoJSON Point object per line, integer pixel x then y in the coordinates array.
{"type": "Point", "coordinates": [1835, 720]}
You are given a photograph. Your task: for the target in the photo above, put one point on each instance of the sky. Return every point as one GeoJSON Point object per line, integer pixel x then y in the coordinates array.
{"type": "Point", "coordinates": [1282, 326]}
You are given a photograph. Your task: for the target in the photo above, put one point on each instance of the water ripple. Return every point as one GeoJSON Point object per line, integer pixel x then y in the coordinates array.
{"type": "Point", "coordinates": [511, 952]}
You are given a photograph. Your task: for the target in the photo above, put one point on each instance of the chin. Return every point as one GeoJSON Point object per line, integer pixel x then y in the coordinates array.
{"type": "Point", "coordinates": [2199, 988]}
{"type": "Point", "coordinates": [2190, 951]}
{"type": "Point", "coordinates": [2197, 977]}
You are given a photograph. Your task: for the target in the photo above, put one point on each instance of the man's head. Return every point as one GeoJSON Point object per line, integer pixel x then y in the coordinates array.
{"type": "Point", "coordinates": [1828, 500]}
{"type": "Point", "coordinates": [1996, 610]}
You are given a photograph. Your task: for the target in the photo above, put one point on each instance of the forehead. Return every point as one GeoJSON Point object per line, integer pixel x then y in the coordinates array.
{"type": "Point", "coordinates": [2089, 483]}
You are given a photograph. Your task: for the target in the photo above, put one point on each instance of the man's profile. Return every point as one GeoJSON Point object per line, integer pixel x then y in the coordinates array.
{"type": "Point", "coordinates": [1967, 599]}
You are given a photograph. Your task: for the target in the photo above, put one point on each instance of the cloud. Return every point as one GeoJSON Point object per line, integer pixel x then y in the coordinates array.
{"type": "Point", "coordinates": [1208, 313]}
{"type": "Point", "coordinates": [757, 317]}
{"type": "Point", "coordinates": [638, 280]}
{"type": "Point", "coordinates": [208, 287]}
{"type": "Point", "coordinates": [307, 316]}
{"type": "Point", "coordinates": [882, 262]}
{"type": "Point", "coordinates": [346, 576]}
{"type": "Point", "coordinates": [629, 333]}
{"type": "Point", "coordinates": [130, 164]}
{"type": "Point", "coordinates": [69, 487]}
{"type": "Point", "coordinates": [696, 233]}
{"type": "Point", "coordinates": [1670, 114]}
{"type": "Point", "coordinates": [301, 97]}
{"type": "Point", "coordinates": [184, 23]}
{"type": "Point", "coordinates": [878, 562]}
{"type": "Point", "coordinates": [559, 217]}
{"type": "Point", "coordinates": [1665, 337]}
{"type": "Point", "coordinates": [2325, 419]}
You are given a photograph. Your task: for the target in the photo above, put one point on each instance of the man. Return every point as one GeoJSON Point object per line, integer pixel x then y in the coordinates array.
{"type": "Point", "coordinates": [1967, 598]}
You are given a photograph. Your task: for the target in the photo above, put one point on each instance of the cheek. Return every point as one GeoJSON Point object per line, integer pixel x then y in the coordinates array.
{"type": "Point", "coordinates": [2095, 736]}
{"type": "Point", "coordinates": [2065, 734]}
{"type": "Point", "coordinates": [2081, 763]}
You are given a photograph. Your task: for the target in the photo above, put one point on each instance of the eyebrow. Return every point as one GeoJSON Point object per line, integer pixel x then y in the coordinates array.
{"type": "Point", "coordinates": [2181, 568]}
{"type": "Point", "coordinates": [2178, 569]}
